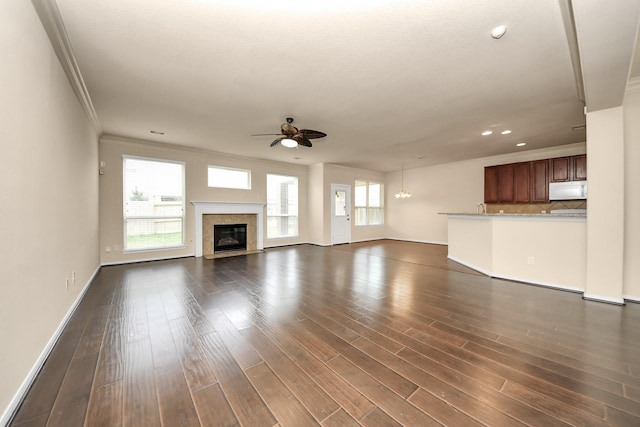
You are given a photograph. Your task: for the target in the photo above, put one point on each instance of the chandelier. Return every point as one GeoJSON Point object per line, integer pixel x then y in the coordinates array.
{"type": "Point", "coordinates": [402, 194]}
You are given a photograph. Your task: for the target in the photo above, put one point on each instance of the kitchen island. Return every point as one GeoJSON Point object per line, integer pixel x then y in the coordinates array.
{"type": "Point", "coordinates": [543, 249]}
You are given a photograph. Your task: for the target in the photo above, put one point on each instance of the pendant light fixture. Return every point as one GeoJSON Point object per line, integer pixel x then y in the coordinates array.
{"type": "Point", "coordinates": [402, 194]}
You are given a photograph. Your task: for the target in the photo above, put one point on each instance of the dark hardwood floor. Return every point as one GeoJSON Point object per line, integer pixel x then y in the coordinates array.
{"type": "Point", "coordinates": [382, 333]}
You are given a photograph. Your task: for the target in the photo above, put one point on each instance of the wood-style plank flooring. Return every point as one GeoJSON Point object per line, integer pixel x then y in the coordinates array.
{"type": "Point", "coordinates": [382, 333]}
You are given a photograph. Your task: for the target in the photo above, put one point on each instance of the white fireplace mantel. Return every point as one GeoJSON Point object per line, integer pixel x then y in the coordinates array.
{"type": "Point", "coordinates": [207, 208]}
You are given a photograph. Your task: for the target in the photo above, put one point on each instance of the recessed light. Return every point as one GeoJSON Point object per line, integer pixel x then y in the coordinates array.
{"type": "Point", "coordinates": [521, 144]}
{"type": "Point", "coordinates": [156, 132]}
{"type": "Point", "coordinates": [487, 132]}
{"type": "Point", "coordinates": [499, 31]}
{"type": "Point", "coordinates": [506, 132]}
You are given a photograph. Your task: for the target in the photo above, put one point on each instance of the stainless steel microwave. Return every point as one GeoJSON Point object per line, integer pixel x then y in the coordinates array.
{"type": "Point", "coordinates": [571, 190]}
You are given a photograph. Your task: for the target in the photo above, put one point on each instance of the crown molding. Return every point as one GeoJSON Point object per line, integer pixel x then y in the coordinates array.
{"type": "Point", "coordinates": [633, 85]}
{"type": "Point", "coordinates": [51, 20]}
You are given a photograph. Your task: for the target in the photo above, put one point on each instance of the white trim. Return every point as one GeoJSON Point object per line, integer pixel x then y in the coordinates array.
{"type": "Point", "coordinates": [517, 279]}
{"type": "Point", "coordinates": [600, 298]}
{"type": "Point", "coordinates": [367, 240]}
{"type": "Point", "coordinates": [631, 298]}
{"type": "Point", "coordinates": [19, 396]}
{"type": "Point", "coordinates": [471, 266]}
{"type": "Point", "coordinates": [53, 24]}
{"type": "Point", "coordinates": [429, 242]}
{"type": "Point", "coordinates": [633, 85]}
{"type": "Point", "coordinates": [133, 261]}
{"type": "Point", "coordinates": [207, 208]}
{"type": "Point", "coordinates": [538, 283]}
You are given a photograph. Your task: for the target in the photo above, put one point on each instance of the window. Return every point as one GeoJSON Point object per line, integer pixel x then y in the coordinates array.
{"type": "Point", "coordinates": [282, 206]}
{"type": "Point", "coordinates": [229, 178]}
{"type": "Point", "coordinates": [368, 203]}
{"type": "Point", "coordinates": [153, 204]}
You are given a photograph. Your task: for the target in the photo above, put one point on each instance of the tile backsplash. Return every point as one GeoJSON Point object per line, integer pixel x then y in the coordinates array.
{"type": "Point", "coordinates": [535, 207]}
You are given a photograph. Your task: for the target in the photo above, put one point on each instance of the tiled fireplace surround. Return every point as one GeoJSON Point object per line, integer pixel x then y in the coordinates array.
{"type": "Point", "coordinates": [209, 213]}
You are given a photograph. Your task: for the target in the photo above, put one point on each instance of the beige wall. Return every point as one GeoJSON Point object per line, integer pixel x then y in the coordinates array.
{"type": "Point", "coordinates": [112, 150]}
{"type": "Point", "coordinates": [453, 187]}
{"type": "Point", "coordinates": [316, 207]}
{"type": "Point", "coordinates": [520, 248]}
{"type": "Point", "coordinates": [334, 174]}
{"type": "Point", "coordinates": [631, 289]}
{"type": "Point", "coordinates": [605, 222]}
{"type": "Point", "coordinates": [48, 197]}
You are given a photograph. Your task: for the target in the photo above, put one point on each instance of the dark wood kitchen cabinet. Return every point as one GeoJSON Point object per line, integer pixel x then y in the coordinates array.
{"type": "Point", "coordinates": [528, 182]}
{"type": "Point", "coordinates": [563, 169]}
{"type": "Point", "coordinates": [491, 184]}
{"type": "Point", "coordinates": [505, 183]}
{"type": "Point", "coordinates": [522, 182]}
{"type": "Point", "coordinates": [499, 184]}
{"type": "Point", "coordinates": [540, 181]}
{"type": "Point", "coordinates": [580, 168]}
{"type": "Point", "coordinates": [560, 169]}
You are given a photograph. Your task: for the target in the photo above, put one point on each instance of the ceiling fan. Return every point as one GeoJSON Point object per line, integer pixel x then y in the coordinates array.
{"type": "Point", "coordinates": [291, 137]}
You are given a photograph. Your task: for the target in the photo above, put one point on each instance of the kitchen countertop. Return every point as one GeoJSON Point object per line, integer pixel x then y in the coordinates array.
{"type": "Point", "coordinates": [540, 215]}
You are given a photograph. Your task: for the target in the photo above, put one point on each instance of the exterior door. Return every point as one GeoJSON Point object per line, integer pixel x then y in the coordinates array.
{"type": "Point", "coordinates": [340, 214]}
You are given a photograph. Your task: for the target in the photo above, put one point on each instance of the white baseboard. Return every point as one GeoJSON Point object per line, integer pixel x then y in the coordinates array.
{"type": "Point", "coordinates": [631, 298]}
{"type": "Point", "coordinates": [18, 397]}
{"type": "Point", "coordinates": [517, 279]}
{"type": "Point", "coordinates": [471, 266]}
{"type": "Point", "coordinates": [600, 298]}
{"type": "Point", "coordinates": [133, 261]}
{"type": "Point", "coordinates": [429, 242]}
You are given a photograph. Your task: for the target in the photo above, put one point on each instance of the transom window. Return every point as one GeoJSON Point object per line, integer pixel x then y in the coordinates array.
{"type": "Point", "coordinates": [153, 203]}
{"type": "Point", "coordinates": [222, 177]}
{"type": "Point", "coordinates": [368, 203]}
{"type": "Point", "coordinates": [282, 206]}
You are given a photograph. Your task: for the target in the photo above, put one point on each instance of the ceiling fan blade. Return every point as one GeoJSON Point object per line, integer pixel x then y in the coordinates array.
{"type": "Point", "coordinates": [312, 134]}
{"type": "Point", "coordinates": [301, 140]}
{"type": "Point", "coordinates": [276, 142]}
{"type": "Point", "coordinates": [265, 134]}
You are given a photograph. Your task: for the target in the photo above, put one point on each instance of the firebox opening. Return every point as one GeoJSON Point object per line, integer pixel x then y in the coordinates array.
{"type": "Point", "coordinates": [229, 237]}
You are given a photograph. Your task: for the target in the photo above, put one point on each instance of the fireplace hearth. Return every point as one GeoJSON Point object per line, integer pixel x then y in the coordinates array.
{"type": "Point", "coordinates": [229, 237]}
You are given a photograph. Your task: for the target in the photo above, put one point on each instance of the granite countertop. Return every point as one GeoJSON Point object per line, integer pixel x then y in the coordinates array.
{"type": "Point", "coordinates": [545, 215]}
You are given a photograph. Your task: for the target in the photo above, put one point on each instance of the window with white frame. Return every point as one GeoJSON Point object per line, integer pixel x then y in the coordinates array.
{"type": "Point", "coordinates": [222, 177]}
{"type": "Point", "coordinates": [368, 203]}
{"type": "Point", "coordinates": [153, 203]}
{"type": "Point", "coordinates": [282, 206]}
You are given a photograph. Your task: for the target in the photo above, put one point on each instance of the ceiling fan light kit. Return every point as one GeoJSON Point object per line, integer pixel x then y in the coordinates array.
{"type": "Point", "coordinates": [289, 143]}
{"type": "Point", "coordinates": [291, 137]}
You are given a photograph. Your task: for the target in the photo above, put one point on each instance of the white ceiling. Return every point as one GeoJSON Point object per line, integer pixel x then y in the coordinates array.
{"type": "Point", "coordinates": [389, 81]}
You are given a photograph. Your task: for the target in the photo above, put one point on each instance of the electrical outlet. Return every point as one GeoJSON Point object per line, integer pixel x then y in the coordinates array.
{"type": "Point", "coordinates": [107, 249]}
{"type": "Point", "coordinates": [531, 260]}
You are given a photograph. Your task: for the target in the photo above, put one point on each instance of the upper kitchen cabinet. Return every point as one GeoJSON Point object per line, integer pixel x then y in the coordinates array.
{"type": "Point", "coordinates": [580, 168]}
{"type": "Point", "coordinates": [522, 182]}
{"type": "Point", "coordinates": [506, 183]}
{"type": "Point", "coordinates": [491, 184]}
{"type": "Point", "coordinates": [563, 169]}
{"type": "Point", "coordinates": [528, 182]}
{"type": "Point", "coordinates": [540, 181]}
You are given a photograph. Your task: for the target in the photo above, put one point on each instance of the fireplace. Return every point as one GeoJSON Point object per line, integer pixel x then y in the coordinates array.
{"type": "Point", "coordinates": [229, 237]}
{"type": "Point", "coordinates": [208, 214]}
